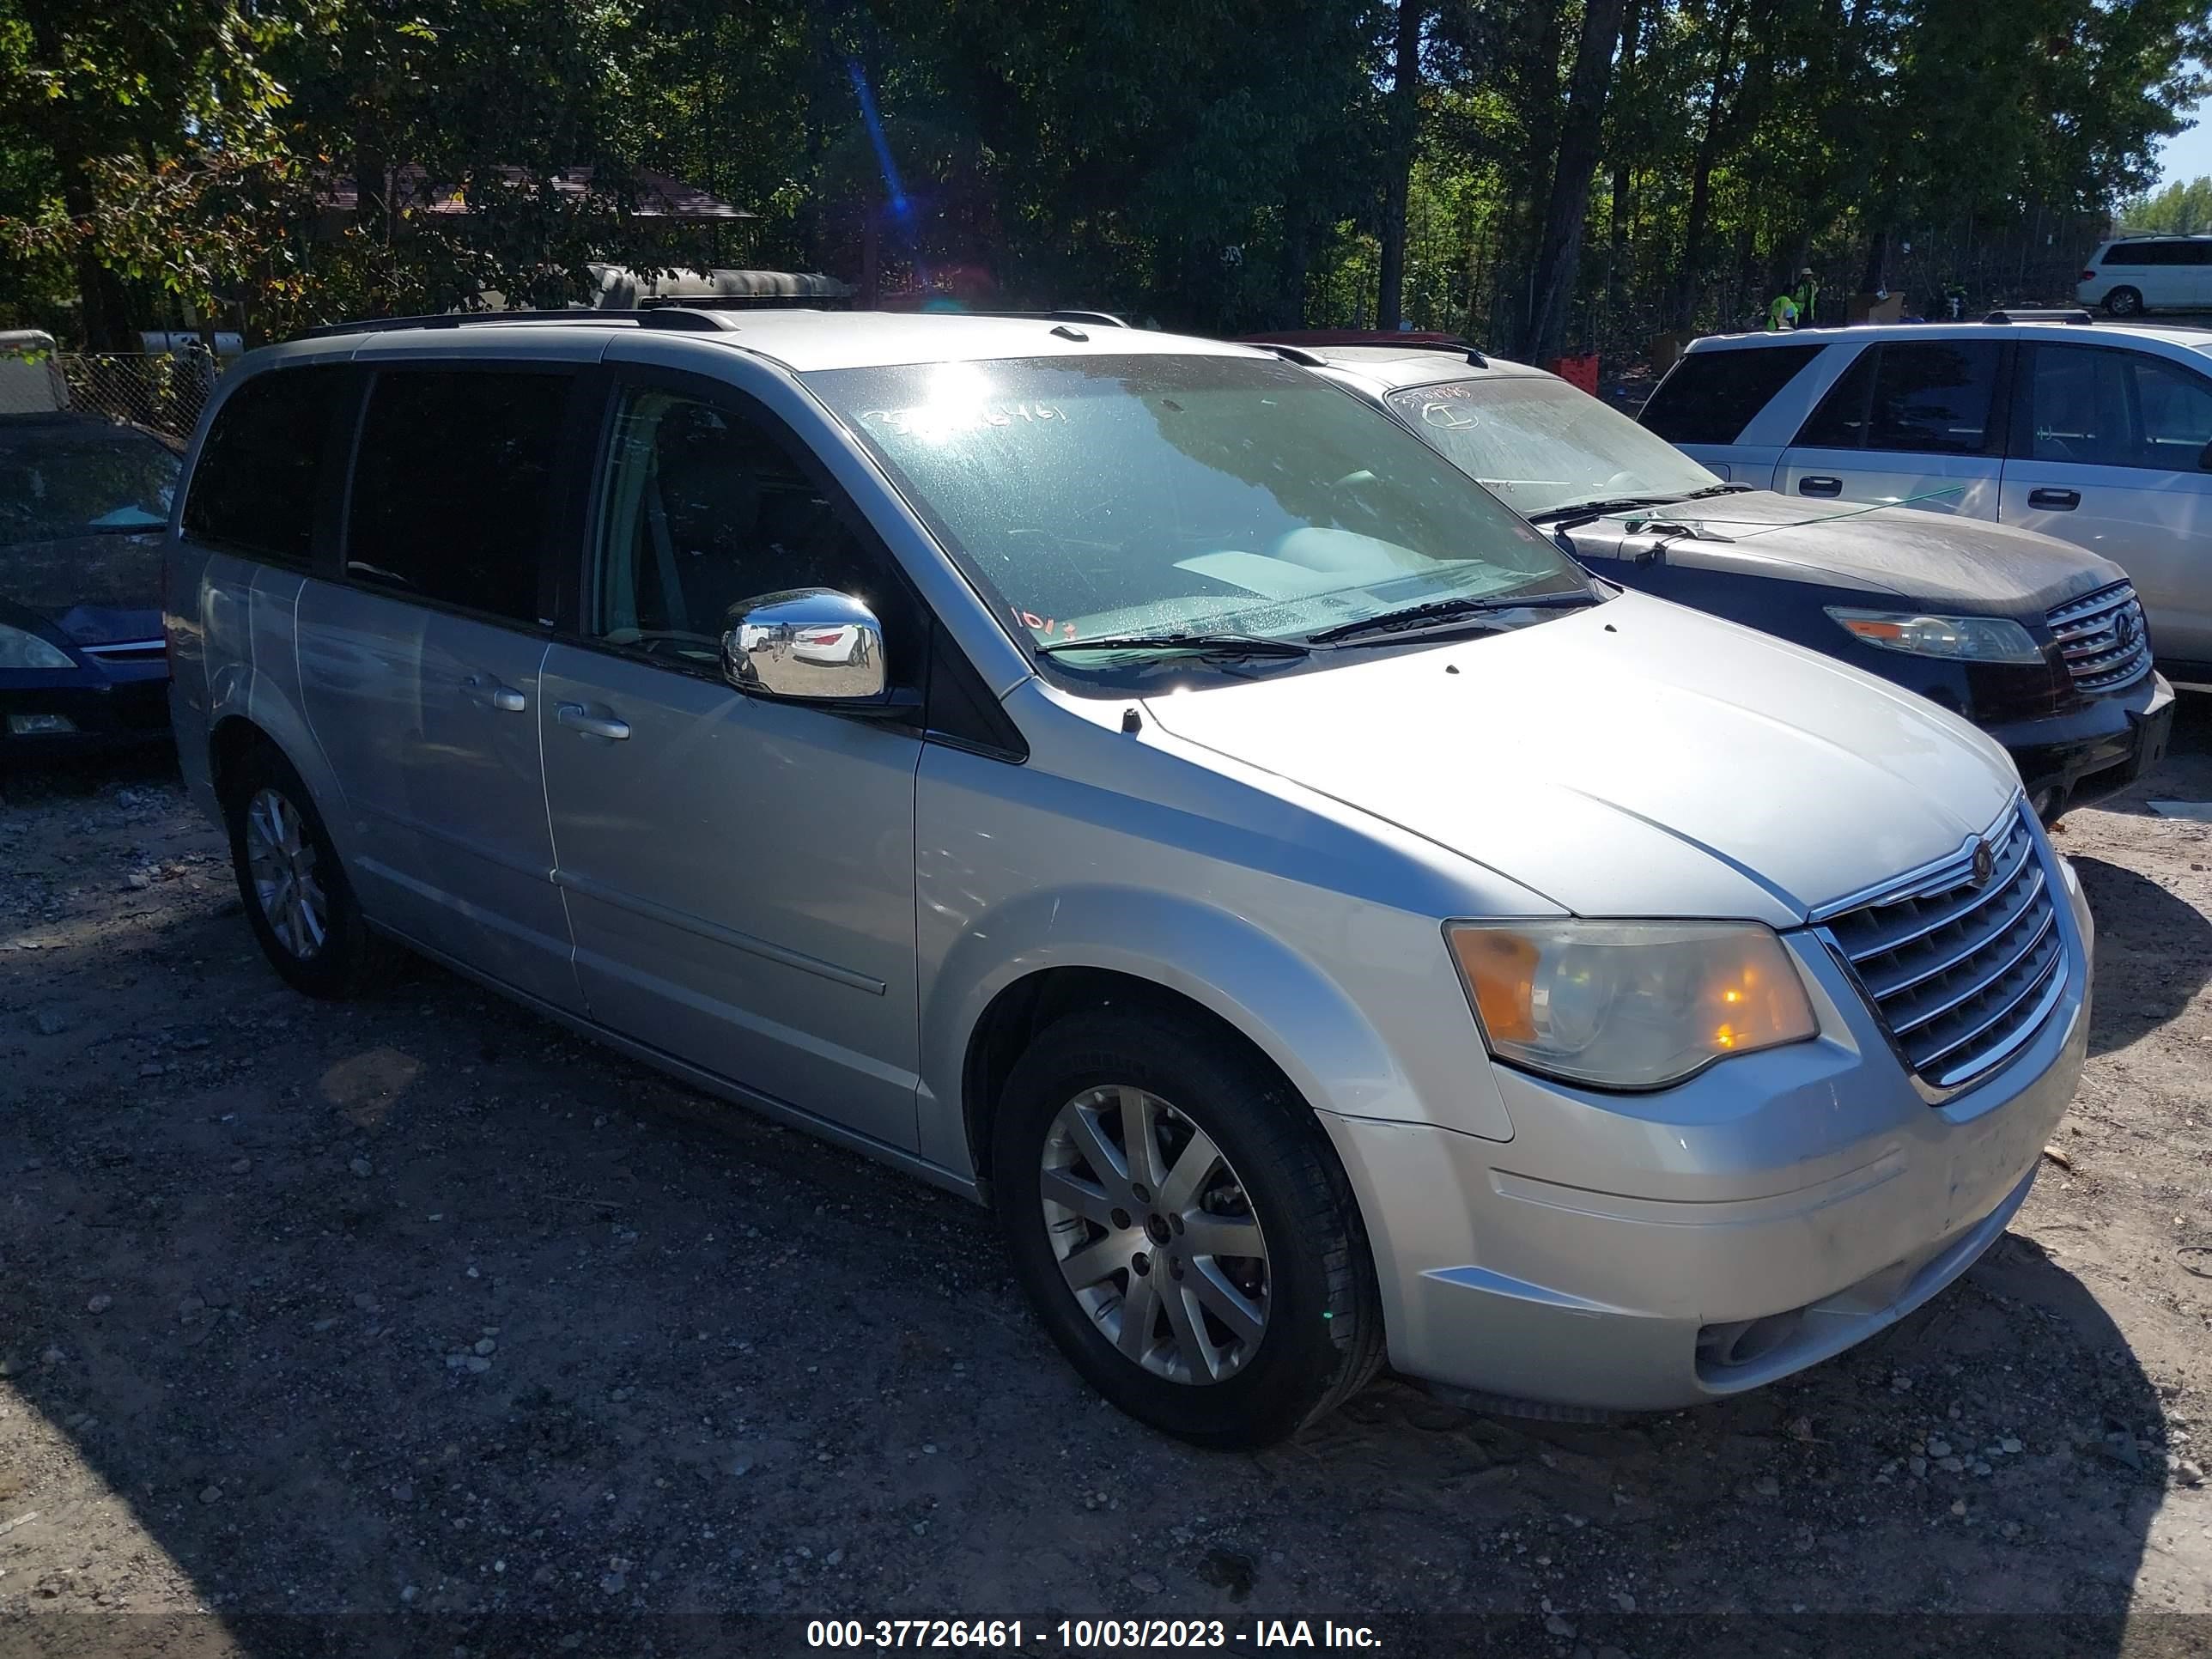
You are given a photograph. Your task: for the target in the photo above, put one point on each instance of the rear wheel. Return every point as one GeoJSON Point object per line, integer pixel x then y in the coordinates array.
{"type": "Point", "coordinates": [297, 899]}
{"type": "Point", "coordinates": [2123, 302]}
{"type": "Point", "coordinates": [1183, 1229]}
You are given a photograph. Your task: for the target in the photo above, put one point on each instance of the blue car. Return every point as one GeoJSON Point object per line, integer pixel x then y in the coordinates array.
{"type": "Point", "coordinates": [84, 511]}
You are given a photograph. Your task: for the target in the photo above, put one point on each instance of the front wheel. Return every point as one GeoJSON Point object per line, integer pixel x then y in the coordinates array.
{"type": "Point", "coordinates": [1182, 1228]}
{"type": "Point", "coordinates": [2123, 302]}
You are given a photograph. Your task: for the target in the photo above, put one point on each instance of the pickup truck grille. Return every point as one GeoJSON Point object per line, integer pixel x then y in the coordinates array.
{"type": "Point", "coordinates": [1960, 973]}
{"type": "Point", "coordinates": [2103, 637]}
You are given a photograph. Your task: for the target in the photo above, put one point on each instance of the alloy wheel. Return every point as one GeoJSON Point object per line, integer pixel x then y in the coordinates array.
{"type": "Point", "coordinates": [1155, 1234]}
{"type": "Point", "coordinates": [282, 859]}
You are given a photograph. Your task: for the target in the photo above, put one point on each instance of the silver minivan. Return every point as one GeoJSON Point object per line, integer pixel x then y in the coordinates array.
{"type": "Point", "coordinates": [1128, 780]}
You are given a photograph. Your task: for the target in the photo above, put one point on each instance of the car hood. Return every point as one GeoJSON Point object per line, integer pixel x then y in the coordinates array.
{"type": "Point", "coordinates": [98, 590]}
{"type": "Point", "coordinates": [1635, 759]}
{"type": "Point", "coordinates": [1971, 565]}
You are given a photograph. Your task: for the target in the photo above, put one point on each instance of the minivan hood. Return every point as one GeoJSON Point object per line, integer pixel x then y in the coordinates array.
{"type": "Point", "coordinates": [1635, 758]}
{"type": "Point", "coordinates": [1970, 565]}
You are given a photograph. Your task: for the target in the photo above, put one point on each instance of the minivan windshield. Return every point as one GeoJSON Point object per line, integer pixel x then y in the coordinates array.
{"type": "Point", "coordinates": [1542, 445]}
{"type": "Point", "coordinates": [1184, 504]}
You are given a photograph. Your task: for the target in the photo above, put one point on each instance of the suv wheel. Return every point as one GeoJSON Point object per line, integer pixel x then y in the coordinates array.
{"type": "Point", "coordinates": [296, 897]}
{"type": "Point", "coordinates": [1183, 1229]}
{"type": "Point", "coordinates": [2123, 302]}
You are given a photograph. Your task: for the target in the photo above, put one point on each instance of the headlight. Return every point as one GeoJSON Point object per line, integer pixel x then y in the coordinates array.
{"type": "Point", "coordinates": [1966, 639]}
{"type": "Point", "coordinates": [1629, 1005]}
{"type": "Point", "coordinates": [20, 650]}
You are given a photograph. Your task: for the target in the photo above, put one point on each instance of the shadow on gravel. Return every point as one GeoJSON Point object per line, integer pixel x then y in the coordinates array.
{"type": "Point", "coordinates": [426, 1323]}
{"type": "Point", "coordinates": [2154, 953]}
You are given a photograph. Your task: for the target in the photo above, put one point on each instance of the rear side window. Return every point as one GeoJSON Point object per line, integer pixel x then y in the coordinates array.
{"type": "Point", "coordinates": [2127, 253]}
{"type": "Point", "coordinates": [1931, 397]}
{"type": "Point", "coordinates": [454, 484]}
{"type": "Point", "coordinates": [1710, 397]}
{"type": "Point", "coordinates": [255, 488]}
{"type": "Point", "coordinates": [2103, 408]}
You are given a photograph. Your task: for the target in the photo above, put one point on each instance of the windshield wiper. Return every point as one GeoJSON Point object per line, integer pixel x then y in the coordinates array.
{"type": "Point", "coordinates": [1415, 617]}
{"type": "Point", "coordinates": [1209, 645]}
{"type": "Point", "coordinates": [1576, 512]}
{"type": "Point", "coordinates": [1580, 511]}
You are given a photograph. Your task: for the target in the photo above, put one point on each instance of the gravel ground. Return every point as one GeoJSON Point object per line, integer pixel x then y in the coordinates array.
{"type": "Point", "coordinates": [420, 1319]}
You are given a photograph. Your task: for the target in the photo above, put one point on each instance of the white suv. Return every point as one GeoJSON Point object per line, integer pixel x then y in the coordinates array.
{"type": "Point", "coordinates": [2136, 273]}
{"type": "Point", "coordinates": [2100, 435]}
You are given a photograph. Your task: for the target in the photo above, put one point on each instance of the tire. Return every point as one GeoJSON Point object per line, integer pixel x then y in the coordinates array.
{"type": "Point", "coordinates": [1268, 1170]}
{"type": "Point", "coordinates": [2123, 302]}
{"type": "Point", "coordinates": [299, 903]}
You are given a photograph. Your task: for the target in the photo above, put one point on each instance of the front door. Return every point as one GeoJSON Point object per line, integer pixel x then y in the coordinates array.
{"type": "Point", "coordinates": [739, 872]}
{"type": "Point", "coordinates": [1909, 423]}
{"type": "Point", "coordinates": [427, 658]}
{"type": "Point", "coordinates": [2108, 451]}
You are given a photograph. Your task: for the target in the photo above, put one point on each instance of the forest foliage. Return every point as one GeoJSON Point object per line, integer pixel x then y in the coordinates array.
{"type": "Point", "coordinates": [1547, 175]}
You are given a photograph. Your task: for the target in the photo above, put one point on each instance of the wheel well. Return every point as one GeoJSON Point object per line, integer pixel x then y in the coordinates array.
{"type": "Point", "coordinates": [234, 738]}
{"type": "Point", "coordinates": [1025, 1008]}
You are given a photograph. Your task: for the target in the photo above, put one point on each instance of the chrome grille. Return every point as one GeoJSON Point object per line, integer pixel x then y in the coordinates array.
{"type": "Point", "coordinates": [1960, 974]}
{"type": "Point", "coordinates": [2104, 638]}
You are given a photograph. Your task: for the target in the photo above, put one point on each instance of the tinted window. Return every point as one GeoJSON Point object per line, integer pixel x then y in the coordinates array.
{"type": "Point", "coordinates": [1710, 397]}
{"type": "Point", "coordinates": [1932, 398]}
{"type": "Point", "coordinates": [2077, 406]}
{"type": "Point", "coordinates": [703, 509]}
{"type": "Point", "coordinates": [1840, 420]}
{"type": "Point", "coordinates": [2129, 253]}
{"type": "Point", "coordinates": [2191, 253]}
{"type": "Point", "coordinates": [2174, 408]}
{"type": "Point", "coordinates": [2116, 409]}
{"type": "Point", "coordinates": [255, 487]}
{"type": "Point", "coordinates": [453, 486]}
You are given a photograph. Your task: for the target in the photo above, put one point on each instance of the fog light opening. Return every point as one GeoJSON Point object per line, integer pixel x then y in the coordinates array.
{"type": "Point", "coordinates": [39, 726]}
{"type": "Point", "coordinates": [1745, 1341]}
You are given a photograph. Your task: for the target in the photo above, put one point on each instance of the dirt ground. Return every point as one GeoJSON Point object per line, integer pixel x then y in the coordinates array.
{"type": "Point", "coordinates": [420, 1323]}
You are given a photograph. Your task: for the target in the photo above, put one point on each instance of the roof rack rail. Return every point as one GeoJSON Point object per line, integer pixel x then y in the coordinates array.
{"type": "Point", "coordinates": [1473, 352]}
{"type": "Point", "coordinates": [1095, 318]}
{"type": "Point", "coordinates": [2074, 314]}
{"type": "Point", "coordinates": [665, 317]}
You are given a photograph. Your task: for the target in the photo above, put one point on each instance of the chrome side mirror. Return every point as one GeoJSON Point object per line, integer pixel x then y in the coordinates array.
{"type": "Point", "coordinates": [806, 645]}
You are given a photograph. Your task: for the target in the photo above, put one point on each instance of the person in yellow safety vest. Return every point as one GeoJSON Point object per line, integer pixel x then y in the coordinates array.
{"type": "Point", "coordinates": [1807, 294]}
{"type": "Point", "coordinates": [1782, 315]}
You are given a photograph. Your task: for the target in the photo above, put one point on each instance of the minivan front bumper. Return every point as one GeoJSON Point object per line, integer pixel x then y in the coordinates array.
{"type": "Point", "coordinates": [1648, 1252]}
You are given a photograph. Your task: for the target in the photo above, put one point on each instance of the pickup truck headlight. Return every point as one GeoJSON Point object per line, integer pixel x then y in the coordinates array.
{"type": "Point", "coordinates": [1629, 1005]}
{"type": "Point", "coordinates": [1965, 638]}
{"type": "Point", "coordinates": [19, 649]}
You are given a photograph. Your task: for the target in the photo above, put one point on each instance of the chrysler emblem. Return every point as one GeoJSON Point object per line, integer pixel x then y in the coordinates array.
{"type": "Point", "coordinates": [1985, 863]}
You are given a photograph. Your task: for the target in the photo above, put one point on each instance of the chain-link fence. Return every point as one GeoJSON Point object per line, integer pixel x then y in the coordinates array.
{"type": "Point", "coordinates": [161, 390]}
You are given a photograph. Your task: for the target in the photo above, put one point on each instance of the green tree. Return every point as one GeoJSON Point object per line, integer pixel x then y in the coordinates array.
{"type": "Point", "coordinates": [2183, 208]}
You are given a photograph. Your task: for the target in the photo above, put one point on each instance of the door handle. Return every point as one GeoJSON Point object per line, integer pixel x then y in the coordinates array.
{"type": "Point", "coordinates": [482, 687]}
{"type": "Point", "coordinates": [2055, 500]}
{"type": "Point", "coordinates": [1817, 486]}
{"type": "Point", "coordinates": [577, 718]}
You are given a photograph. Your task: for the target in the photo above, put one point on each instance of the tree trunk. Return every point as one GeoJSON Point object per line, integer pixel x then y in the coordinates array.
{"type": "Point", "coordinates": [1692, 276]}
{"type": "Point", "coordinates": [372, 186]}
{"type": "Point", "coordinates": [104, 308]}
{"type": "Point", "coordinates": [1403, 112]}
{"type": "Point", "coordinates": [1624, 171]}
{"type": "Point", "coordinates": [1558, 255]}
